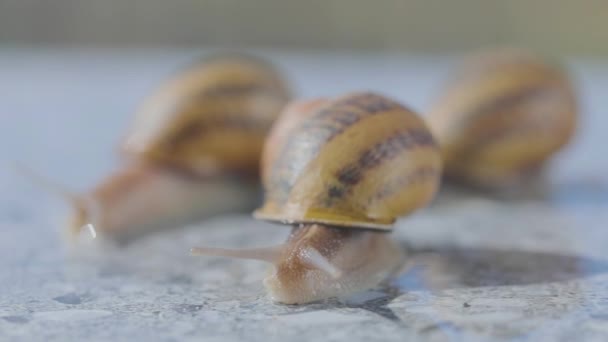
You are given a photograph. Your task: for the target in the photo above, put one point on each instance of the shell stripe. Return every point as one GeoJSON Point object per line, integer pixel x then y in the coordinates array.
{"type": "Point", "coordinates": [351, 175]}
{"type": "Point", "coordinates": [417, 176]}
{"type": "Point", "coordinates": [533, 133]}
{"type": "Point", "coordinates": [507, 100]}
{"type": "Point", "coordinates": [225, 118]}
{"type": "Point", "coordinates": [336, 118]}
{"type": "Point", "coordinates": [495, 132]}
{"type": "Point", "coordinates": [383, 151]}
{"type": "Point", "coordinates": [196, 129]}
{"type": "Point", "coordinates": [323, 127]}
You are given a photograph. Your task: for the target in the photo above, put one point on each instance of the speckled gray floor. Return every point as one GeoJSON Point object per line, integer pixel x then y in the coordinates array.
{"type": "Point", "coordinates": [528, 269]}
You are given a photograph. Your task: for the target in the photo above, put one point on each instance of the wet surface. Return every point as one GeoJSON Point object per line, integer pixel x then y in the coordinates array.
{"type": "Point", "coordinates": [70, 298]}
{"type": "Point", "coordinates": [528, 265]}
{"type": "Point", "coordinates": [479, 267]}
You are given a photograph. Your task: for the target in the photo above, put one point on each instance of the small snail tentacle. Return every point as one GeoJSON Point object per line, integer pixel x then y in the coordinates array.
{"type": "Point", "coordinates": [309, 256]}
{"type": "Point", "coordinates": [45, 183]}
{"type": "Point", "coordinates": [268, 254]}
{"type": "Point", "coordinates": [85, 207]}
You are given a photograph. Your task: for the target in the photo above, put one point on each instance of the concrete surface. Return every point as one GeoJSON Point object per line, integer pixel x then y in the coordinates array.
{"type": "Point", "coordinates": [534, 268]}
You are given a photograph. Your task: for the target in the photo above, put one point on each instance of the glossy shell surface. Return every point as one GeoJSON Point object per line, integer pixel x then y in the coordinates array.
{"type": "Point", "coordinates": [360, 161]}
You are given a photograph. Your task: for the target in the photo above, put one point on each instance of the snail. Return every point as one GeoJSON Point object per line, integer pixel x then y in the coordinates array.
{"type": "Point", "coordinates": [340, 172]}
{"type": "Point", "coordinates": [502, 117]}
{"type": "Point", "coordinates": [193, 150]}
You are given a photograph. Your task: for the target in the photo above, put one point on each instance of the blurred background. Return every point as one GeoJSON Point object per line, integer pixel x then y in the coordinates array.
{"type": "Point", "coordinates": [73, 73]}
{"type": "Point", "coordinates": [90, 63]}
{"type": "Point", "coordinates": [552, 26]}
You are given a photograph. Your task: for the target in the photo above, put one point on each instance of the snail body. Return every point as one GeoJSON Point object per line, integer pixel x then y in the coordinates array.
{"type": "Point", "coordinates": [193, 150]}
{"type": "Point", "coordinates": [142, 199]}
{"type": "Point", "coordinates": [346, 170]}
{"type": "Point", "coordinates": [502, 117]}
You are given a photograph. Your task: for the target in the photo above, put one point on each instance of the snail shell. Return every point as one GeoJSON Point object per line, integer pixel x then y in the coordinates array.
{"type": "Point", "coordinates": [346, 169]}
{"type": "Point", "coordinates": [194, 150]}
{"type": "Point", "coordinates": [212, 117]}
{"type": "Point", "coordinates": [358, 161]}
{"type": "Point", "coordinates": [502, 117]}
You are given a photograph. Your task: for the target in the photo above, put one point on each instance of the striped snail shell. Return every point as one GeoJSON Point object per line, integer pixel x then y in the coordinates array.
{"type": "Point", "coordinates": [212, 117]}
{"type": "Point", "coordinates": [502, 116]}
{"type": "Point", "coordinates": [358, 161]}
{"type": "Point", "coordinates": [193, 150]}
{"type": "Point", "coordinates": [341, 171]}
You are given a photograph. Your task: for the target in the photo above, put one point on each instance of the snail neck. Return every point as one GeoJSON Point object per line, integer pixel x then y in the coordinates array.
{"type": "Point", "coordinates": [324, 261]}
{"type": "Point", "coordinates": [316, 246]}
{"type": "Point", "coordinates": [322, 237]}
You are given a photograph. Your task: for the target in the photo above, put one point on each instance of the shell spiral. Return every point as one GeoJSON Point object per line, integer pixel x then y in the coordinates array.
{"type": "Point", "coordinates": [360, 161]}
{"type": "Point", "coordinates": [213, 116]}
{"type": "Point", "coordinates": [502, 116]}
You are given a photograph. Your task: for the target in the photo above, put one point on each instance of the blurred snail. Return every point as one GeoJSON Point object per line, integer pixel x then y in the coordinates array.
{"type": "Point", "coordinates": [501, 118]}
{"type": "Point", "coordinates": [193, 150]}
{"type": "Point", "coordinates": [341, 172]}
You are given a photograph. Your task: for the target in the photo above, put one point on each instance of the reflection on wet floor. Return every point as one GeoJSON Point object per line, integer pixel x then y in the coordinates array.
{"type": "Point", "coordinates": [445, 267]}
{"type": "Point", "coordinates": [434, 269]}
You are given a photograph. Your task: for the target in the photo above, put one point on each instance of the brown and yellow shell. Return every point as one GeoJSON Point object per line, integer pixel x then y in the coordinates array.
{"type": "Point", "coordinates": [213, 116]}
{"type": "Point", "coordinates": [281, 131]}
{"type": "Point", "coordinates": [502, 116]}
{"type": "Point", "coordinates": [361, 161]}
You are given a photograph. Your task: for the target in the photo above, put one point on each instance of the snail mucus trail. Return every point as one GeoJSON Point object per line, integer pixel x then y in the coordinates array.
{"type": "Point", "coordinates": [345, 170]}
{"type": "Point", "coordinates": [193, 151]}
